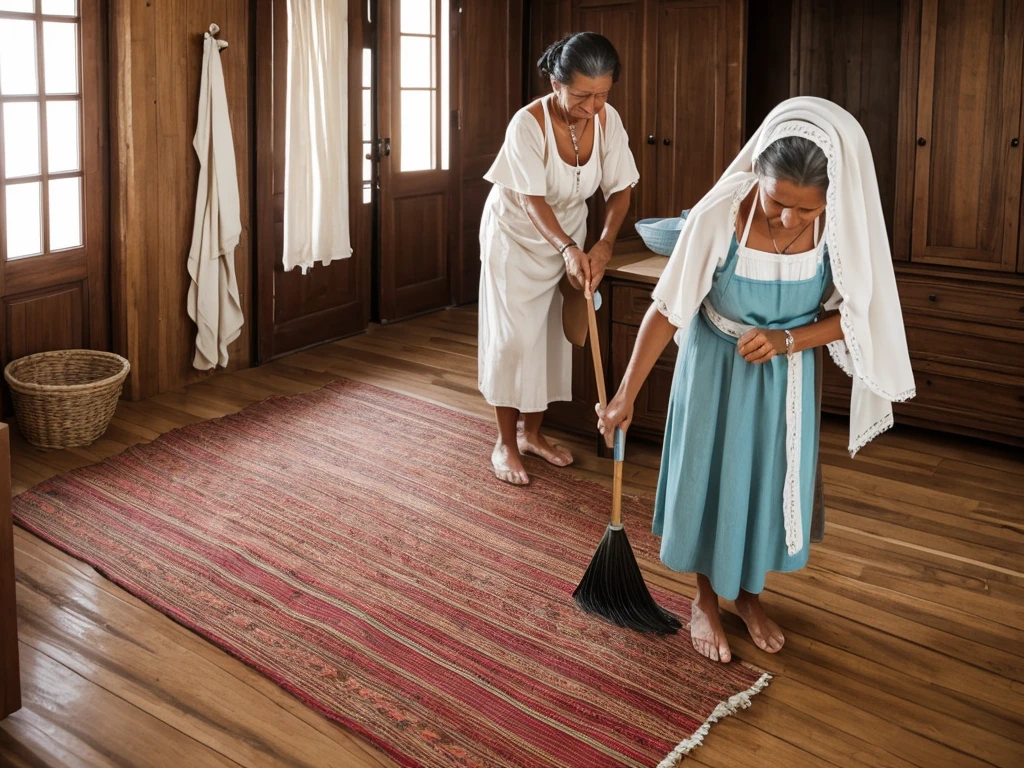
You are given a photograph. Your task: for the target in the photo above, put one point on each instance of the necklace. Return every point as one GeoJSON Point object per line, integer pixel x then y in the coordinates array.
{"type": "Point", "coordinates": [771, 234]}
{"type": "Point", "coordinates": [575, 147]}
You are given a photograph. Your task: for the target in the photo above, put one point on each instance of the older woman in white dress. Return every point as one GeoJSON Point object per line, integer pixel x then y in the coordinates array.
{"type": "Point", "coordinates": [558, 151]}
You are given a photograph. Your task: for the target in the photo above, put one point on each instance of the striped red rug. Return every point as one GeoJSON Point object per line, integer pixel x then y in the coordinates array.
{"type": "Point", "coordinates": [352, 545]}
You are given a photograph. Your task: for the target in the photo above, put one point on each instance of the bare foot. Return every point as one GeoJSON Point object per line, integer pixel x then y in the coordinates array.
{"type": "Point", "coordinates": [538, 445]}
{"type": "Point", "coordinates": [706, 631]}
{"type": "Point", "coordinates": [508, 465]}
{"type": "Point", "coordinates": [765, 633]}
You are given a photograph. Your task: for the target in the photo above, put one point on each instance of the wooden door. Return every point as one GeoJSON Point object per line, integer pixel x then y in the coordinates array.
{"type": "Point", "coordinates": [54, 256]}
{"type": "Point", "coordinates": [622, 22]}
{"type": "Point", "coordinates": [968, 157]}
{"type": "Point", "coordinates": [296, 310]}
{"type": "Point", "coordinates": [415, 122]}
{"type": "Point", "coordinates": [696, 49]}
{"type": "Point", "coordinates": [490, 88]}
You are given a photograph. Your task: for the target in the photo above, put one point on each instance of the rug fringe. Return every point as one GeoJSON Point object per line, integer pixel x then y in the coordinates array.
{"type": "Point", "coordinates": [725, 708]}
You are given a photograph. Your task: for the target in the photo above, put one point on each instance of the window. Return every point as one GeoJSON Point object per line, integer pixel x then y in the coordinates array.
{"type": "Point", "coordinates": [424, 84]}
{"type": "Point", "coordinates": [40, 127]}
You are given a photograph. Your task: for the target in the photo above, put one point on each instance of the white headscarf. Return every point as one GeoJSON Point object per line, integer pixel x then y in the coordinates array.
{"type": "Point", "coordinates": [874, 351]}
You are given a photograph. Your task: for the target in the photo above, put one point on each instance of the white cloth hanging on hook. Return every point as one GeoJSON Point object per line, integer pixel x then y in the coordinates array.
{"type": "Point", "coordinates": [213, 301]}
{"type": "Point", "coordinates": [316, 168]}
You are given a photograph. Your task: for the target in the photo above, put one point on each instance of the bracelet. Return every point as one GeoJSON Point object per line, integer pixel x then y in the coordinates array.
{"type": "Point", "coordinates": [564, 248]}
{"type": "Point", "coordinates": [790, 342]}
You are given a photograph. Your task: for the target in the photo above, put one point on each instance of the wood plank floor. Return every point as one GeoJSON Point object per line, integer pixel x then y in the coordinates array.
{"type": "Point", "coordinates": [905, 634]}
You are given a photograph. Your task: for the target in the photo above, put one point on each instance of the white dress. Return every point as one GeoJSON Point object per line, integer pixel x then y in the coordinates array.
{"type": "Point", "coordinates": [525, 361]}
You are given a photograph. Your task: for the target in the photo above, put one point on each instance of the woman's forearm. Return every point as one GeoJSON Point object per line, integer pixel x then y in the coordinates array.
{"type": "Point", "coordinates": [545, 221]}
{"type": "Point", "coordinates": [817, 334]}
{"type": "Point", "coordinates": [615, 212]}
{"type": "Point", "coordinates": [655, 333]}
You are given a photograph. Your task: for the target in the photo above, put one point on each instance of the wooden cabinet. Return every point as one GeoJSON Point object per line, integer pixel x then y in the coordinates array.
{"type": "Point", "coordinates": [967, 170]}
{"type": "Point", "coordinates": [956, 215]}
{"type": "Point", "coordinates": [10, 682]}
{"type": "Point", "coordinates": [680, 93]}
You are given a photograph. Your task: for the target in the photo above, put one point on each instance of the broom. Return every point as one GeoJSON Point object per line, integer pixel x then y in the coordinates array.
{"type": "Point", "coordinates": [613, 587]}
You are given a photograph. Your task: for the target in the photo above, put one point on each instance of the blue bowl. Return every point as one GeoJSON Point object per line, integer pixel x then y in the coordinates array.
{"type": "Point", "coordinates": [660, 235]}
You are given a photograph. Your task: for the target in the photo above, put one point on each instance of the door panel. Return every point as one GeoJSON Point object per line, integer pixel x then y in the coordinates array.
{"type": "Point", "coordinates": [491, 90]}
{"type": "Point", "coordinates": [296, 310]}
{"type": "Point", "coordinates": [54, 254]}
{"type": "Point", "coordinates": [623, 24]}
{"type": "Point", "coordinates": [699, 110]}
{"type": "Point", "coordinates": [968, 171]}
{"type": "Point", "coordinates": [415, 175]}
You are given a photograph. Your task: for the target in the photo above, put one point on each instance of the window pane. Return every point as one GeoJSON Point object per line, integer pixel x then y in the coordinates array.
{"type": "Point", "coordinates": [417, 62]}
{"type": "Point", "coordinates": [445, 81]}
{"type": "Point", "coordinates": [60, 56]}
{"type": "Point", "coordinates": [21, 139]}
{"type": "Point", "coordinates": [18, 6]}
{"type": "Point", "coordinates": [417, 130]}
{"type": "Point", "coordinates": [65, 213]}
{"type": "Point", "coordinates": [24, 229]}
{"type": "Point", "coordinates": [60, 7]}
{"type": "Point", "coordinates": [18, 57]}
{"type": "Point", "coordinates": [367, 114]}
{"type": "Point", "coordinates": [62, 136]}
{"type": "Point", "coordinates": [367, 194]}
{"type": "Point", "coordinates": [416, 16]}
{"type": "Point", "coordinates": [367, 68]}
{"type": "Point", "coordinates": [367, 164]}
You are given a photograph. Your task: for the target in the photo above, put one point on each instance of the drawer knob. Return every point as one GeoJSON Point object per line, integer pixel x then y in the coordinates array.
{"type": "Point", "coordinates": [921, 141]}
{"type": "Point", "coordinates": [928, 382]}
{"type": "Point", "coordinates": [1014, 143]}
{"type": "Point", "coordinates": [651, 139]}
{"type": "Point", "coordinates": [932, 297]}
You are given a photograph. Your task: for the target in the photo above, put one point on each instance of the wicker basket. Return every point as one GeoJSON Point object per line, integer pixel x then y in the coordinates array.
{"type": "Point", "coordinates": [65, 399]}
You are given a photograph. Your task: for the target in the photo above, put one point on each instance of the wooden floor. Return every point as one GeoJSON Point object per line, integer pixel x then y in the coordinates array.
{"type": "Point", "coordinates": [905, 634]}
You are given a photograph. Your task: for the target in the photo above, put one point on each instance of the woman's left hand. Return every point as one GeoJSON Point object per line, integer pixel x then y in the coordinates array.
{"type": "Point", "coordinates": [600, 254]}
{"type": "Point", "coordinates": [759, 346]}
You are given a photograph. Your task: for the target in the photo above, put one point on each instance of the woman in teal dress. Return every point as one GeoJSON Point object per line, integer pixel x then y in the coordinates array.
{"type": "Point", "coordinates": [775, 261]}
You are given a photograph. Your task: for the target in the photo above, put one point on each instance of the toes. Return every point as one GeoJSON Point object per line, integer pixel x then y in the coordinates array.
{"type": "Point", "coordinates": [724, 653]}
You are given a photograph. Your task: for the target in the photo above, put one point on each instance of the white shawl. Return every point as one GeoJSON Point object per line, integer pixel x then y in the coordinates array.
{"type": "Point", "coordinates": [874, 351]}
{"type": "Point", "coordinates": [213, 302]}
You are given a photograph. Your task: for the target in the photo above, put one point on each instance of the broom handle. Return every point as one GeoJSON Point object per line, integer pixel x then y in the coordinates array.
{"type": "Point", "coordinates": [602, 396]}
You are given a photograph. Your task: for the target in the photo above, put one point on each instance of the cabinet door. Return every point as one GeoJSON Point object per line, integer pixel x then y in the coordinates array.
{"type": "Point", "coordinates": [697, 48]}
{"type": "Point", "coordinates": [622, 22]}
{"type": "Point", "coordinates": [968, 158]}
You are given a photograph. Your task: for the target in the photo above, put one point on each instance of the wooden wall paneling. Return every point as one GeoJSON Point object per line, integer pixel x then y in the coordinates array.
{"type": "Point", "coordinates": [850, 53]}
{"type": "Point", "coordinates": [10, 681]}
{"type": "Point", "coordinates": [967, 185]}
{"type": "Point", "coordinates": [490, 91]}
{"type": "Point", "coordinates": [157, 51]}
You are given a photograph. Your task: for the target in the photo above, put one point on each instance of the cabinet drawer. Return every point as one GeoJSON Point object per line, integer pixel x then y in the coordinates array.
{"type": "Point", "coordinates": [630, 303]}
{"type": "Point", "coordinates": [969, 402]}
{"type": "Point", "coordinates": [959, 343]}
{"type": "Point", "coordinates": [998, 305]}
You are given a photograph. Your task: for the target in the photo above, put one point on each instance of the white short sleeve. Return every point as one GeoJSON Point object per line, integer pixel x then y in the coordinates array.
{"type": "Point", "coordinates": [519, 165]}
{"type": "Point", "coordinates": [618, 169]}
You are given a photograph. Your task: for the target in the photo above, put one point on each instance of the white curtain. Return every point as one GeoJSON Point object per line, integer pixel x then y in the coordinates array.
{"type": "Point", "coordinates": [316, 194]}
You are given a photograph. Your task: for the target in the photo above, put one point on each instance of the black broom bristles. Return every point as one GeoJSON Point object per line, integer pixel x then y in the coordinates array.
{"type": "Point", "coordinates": [614, 589]}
